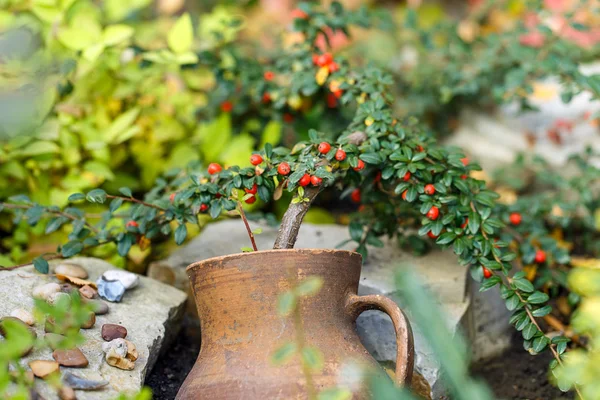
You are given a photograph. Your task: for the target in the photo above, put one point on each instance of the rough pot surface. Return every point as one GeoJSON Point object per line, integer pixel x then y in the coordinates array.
{"type": "Point", "coordinates": [236, 297]}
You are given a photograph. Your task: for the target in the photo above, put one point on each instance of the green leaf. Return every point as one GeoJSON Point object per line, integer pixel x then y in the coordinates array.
{"type": "Point", "coordinates": [124, 245]}
{"type": "Point", "coordinates": [41, 265]}
{"type": "Point", "coordinates": [540, 312]}
{"type": "Point", "coordinates": [310, 286]}
{"type": "Point", "coordinates": [312, 358]}
{"type": "Point", "coordinates": [120, 125]}
{"type": "Point", "coordinates": [512, 302]}
{"type": "Point", "coordinates": [76, 197]}
{"type": "Point", "coordinates": [335, 394]}
{"type": "Point", "coordinates": [96, 196]}
{"type": "Point", "coordinates": [18, 340]}
{"type": "Point", "coordinates": [538, 298]}
{"type": "Point", "coordinates": [115, 34]}
{"type": "Point", "coordinates": [286, 303]}
{"type": "Point", "coordinates": [540, 343]}
{"type": "Point", "coordinates": [125, 191]}
{"type": "Point", "coordinates": [181, 35]}
{"type": "Point", "coordinates": [524, 285]}
{"type": "Point", "coordinates": [284, 353]}
{"type": "Point", "coordinates": [180, 234]}
{"type": "Point", "coordinates": [71, 248]}
{"type": "Point", "coordinates": [530, 331]}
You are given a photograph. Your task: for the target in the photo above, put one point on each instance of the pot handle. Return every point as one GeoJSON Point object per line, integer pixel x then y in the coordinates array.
{"type": "Point", "coordinates": [355, 305]}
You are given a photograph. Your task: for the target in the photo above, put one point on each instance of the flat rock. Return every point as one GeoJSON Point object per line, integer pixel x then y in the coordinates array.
{"type": "Point", "coordinates": [70, 358]}
{"type": "Point", "coordinates": [71, 269]}
{"type": "Point", "coordinates": [113, 331]}
{"type": "Point", "coordinates": [151, 314]}
{"type": "Point", "coordinates": [442, 274]}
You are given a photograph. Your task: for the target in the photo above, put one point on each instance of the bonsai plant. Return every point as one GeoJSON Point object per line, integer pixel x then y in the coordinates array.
{"type": "Point", "coordinates": [391, 167]}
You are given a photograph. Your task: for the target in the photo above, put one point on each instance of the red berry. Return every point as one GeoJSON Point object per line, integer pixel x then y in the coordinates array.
{"type": "Point", "coordinates": [486, 272]}
{"type": "Point", "coordinates": [338, 93]}
{"type": "Point", "coordinates": [463, 176]}
{"type": "Point", "coordinates": [288, 118]}
{"type": "Point", "coordinates": [331, 100]}
{"type": "Point", "coordinates": [420, 148]}
{"type": "Point", "coordinates": [256, 159]}
{"type": "Point", "coordinates": [315, 58]}
{"type": "Point", "coordinates": [464, 224]}
{"type": "Point", "coordinates": [324, 147]}
{"type": "Point", "coordinates": [131, 223]}
{"type": "Point", "coordinates": [404, 194]}
{"type": "Point", "coordinates": [305, 180]}
{"type": "Point", "coordinates": [172, 197]}
{"type": "Point", "coordinates": [324, 59]}
{"type": "Point", "coordinates": [299, 14]}
{"type": "Point", "coordinates": [226, 106]}
{"type": "Point", "coordinates": [213, 168]}
{"type": "Point", "coordinates": [465, 161]}
{"type": "Point", "coordinates": [360, 166]}
{"type": "Point", "coordinates": [269, 75]}
{"type": "Point", "coordinates": [203, 207]}
{"type": "Point", "coordinates": [283, 168]}
{"type": "Point", "coordinates": [406, 177]}
{"type": "Point", "coordinates": [431, 235]}
{"type": "Point", "coordinates": [515, 218]}
{"type": "Point", "coordinates": [333, 67]}
{"type": "Point", "coordinates": [315, 180]}
{"type": "Point", "coordinates": [253, 190]}
{"type": "Point", "coordinates": [540, 256]}
{"type": "Point", "coordinates": [429, 189]}
{"type": "Point", "coordinates": [251, 200]}
{"type": "Point", "coordinates": [433, 213]}
{"type": "Point", "coordinates": [377, 177]}
{"type": "Point", "coordinates": [355, 195]}
{"type": "Point", "coordinates": [266, 97]}
{"type": "Point", "coordinates": [340, 155]}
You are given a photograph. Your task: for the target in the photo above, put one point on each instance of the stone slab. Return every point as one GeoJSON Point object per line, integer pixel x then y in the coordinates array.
{"type": "Point", "coordinates": [151, 313]}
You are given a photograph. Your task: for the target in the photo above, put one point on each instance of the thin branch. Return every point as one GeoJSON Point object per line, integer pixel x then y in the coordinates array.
{"type": "Point", "coordinates": [241, 210]}
{"type": "Point", "coordinates": [133, 200]}
{"type": "Point", "coordinates": [292, 219]}
{"type": "Point", "coordinates": [46, 210]}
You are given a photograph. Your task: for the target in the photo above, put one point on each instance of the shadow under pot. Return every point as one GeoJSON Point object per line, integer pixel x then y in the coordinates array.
{"type": "Point", "coordinates": [236, 297]}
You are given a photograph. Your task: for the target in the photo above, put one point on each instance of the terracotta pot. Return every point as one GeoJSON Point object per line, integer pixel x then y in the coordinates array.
{"type": "Point", "coordinates": [236, 296]}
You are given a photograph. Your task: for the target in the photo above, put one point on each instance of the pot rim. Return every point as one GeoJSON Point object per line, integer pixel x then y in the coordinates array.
{"type": "Point", "coordinates": [253, 253]}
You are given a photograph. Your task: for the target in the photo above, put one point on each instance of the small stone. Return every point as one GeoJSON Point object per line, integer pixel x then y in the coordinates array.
{"type": "Point", "coordinates": [110, 290]}
{"type": "Point", "coordinates": [53, 340]}
{"type": "Point", "coordinates": [66, 393]}
{"type": "Point", "coordinates": [24, 316]}
{"type": "Point", "coordinates": [113, 331]}
{"type": "Point", "coordinates": [117, 346]}
{"type": "Point", "coordinates": [128, 279]}
{"type": "Point", "coordinates": [55, 298]}
{"type": "Point", "coordinates": [71, 269]}
{"type": "Point", "coordinates": [44, 291]}
{"type": "Point", "coordinates": [99, 307]}
{"type": "Point", "coordinates": [114, 360]}
{"type": "Point", "coordinates": [43, 368]}
{"type": "Point", "coordinates": [90, 322]}
{"type": "Point", "coordinates": [88, 292]}
{"type": "Point", "coordinates": [70, 358]}
{"type": "Point", "coordinates": [67, 288]}
{"type": "Point", "coordinates": [132, 353]}
{"type": "Point", "coordinates": [17, 321]}
{"type": "Point", "coordinates": [78, 383]}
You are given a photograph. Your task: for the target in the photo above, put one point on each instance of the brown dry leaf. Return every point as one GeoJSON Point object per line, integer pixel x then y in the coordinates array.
{"type": "Point", "coordinates": [481, 175]}
{"type": "Point", "coordinates": [580, 262]}
{"type": "Point", "coordinates": [507, 196]}
{"type": "Point", "coordinates": [278, 192]}
{"type": "Point", "coordinates": [562, 303]}
{"type": "Point", "coordinates": [468, 30]}
{"type": "Point", "coordinates": [530, 271]}
{"type": "Point", "coordinates": [76, 281]}
{"type": "Point", "coordinates": [557, 234]}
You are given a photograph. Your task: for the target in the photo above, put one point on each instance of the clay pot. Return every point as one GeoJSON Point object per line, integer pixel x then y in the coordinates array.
{"type": "Point", "coordinates": [236, 297]}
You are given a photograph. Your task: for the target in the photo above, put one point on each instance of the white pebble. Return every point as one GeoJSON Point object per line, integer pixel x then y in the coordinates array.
{"type": "Point", "coordinates": [118, 346]}
{"type": "Point", "coordinates": [23, 315]}
{"type": "Point", "coordinates": [44, 291]}
{"type": "Point", "coordinates": [128, 280]}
